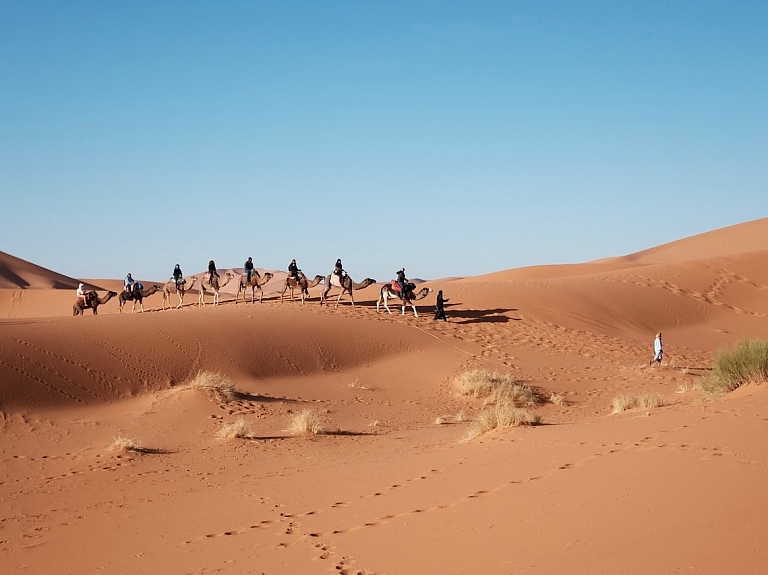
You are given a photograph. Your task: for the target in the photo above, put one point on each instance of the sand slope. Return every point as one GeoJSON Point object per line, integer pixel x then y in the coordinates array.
{"type": "Point", "coordinates": [391, 489]}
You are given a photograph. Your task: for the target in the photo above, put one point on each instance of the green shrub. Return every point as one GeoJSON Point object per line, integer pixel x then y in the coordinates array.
{"type": "Point", "coordinates": [747, 362]}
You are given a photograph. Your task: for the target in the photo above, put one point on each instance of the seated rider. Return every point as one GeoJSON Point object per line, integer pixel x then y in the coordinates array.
{"type": "Point", "coordinates": [293, 270]}
{"type": "Point", "coordinates": [212, 272]}
{"type": "Point", "coordinates": [177, 276]}
{"type": "Point", "coordinates": [338, 269]}
{"type": "Point", "coordinates": [402, 281]}
{"type": "Point", "coordinates": [129, 283]}
{"type": "Point", "coordinates": [81, 295]}
{"type": "Point", "coordinates": [248, 269]}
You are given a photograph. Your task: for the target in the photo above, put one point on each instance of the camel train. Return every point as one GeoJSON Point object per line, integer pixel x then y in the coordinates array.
{"type": "Point", "coordinates": [213, 285]}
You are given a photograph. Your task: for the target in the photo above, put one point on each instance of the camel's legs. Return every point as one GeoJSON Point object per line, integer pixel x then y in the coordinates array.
{"type": "Point", "coordinates": [141, 305]}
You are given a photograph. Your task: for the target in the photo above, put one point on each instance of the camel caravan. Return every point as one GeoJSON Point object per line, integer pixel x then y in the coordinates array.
{"type": "Point", "coordinates": [251, 280]}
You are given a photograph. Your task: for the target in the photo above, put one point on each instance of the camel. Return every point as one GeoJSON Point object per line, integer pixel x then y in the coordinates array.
{"type": "Point", "coordinates": [346, 284]}
{"type": "Point", "coordinates": [303, 283]}
{"type": "Point", "coordinates": [136, 295]}
{"type": "Point", "coordinates": [387, 292]}
{"type": "Point", "coordinates": [170, 287]}
{"type": "Point", "coordinates": [92, 301]}
{"type": "Point", "coordinates": [256, 282]}
{"type": "Point", "coordinates": [215, 287]}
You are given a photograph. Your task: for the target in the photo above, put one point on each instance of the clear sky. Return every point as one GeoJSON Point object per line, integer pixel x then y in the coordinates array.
{"type": "Point", "coordinates": [452, 138]}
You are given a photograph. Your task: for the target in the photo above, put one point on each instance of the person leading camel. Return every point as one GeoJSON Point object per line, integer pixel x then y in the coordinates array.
{"type": "Point", "coordinates": [128, 283]}
{"type": "Point", "coordinates": [440, 313]}
{"type": "Point", "coordinates": [293, 270]}
{"type": "Point", "coordinates": [248, 267]}
{"type": "Point", "coordinates": [177, 275]}
{"type": "Point", "coordinates": [212, 272]}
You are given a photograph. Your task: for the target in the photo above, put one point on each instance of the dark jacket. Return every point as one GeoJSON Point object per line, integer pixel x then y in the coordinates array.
{"type": "Point", "coordinates": [177, 273]}
{"type": "Point", "coordinates": [293, 268]}
{"type": "Point", "coordinates": [248, 266]}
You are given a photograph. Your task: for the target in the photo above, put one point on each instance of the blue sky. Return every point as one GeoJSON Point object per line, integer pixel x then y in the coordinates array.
{"type": "Point", "coordinates": [449, 138]}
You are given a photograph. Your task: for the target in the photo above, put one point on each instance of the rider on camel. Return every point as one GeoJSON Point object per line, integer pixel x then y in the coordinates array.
{"type": "Point", "coordinates": [81, 295]}
{"type": "Point", "coordinates": [212, 272]}
{"type": "Point", "coordinates": [293, 270]}
{"type": "Point", "coordinates": [129, 281]}
{"type": "Point", "coordinates": [402, 281]}
{"type": "Point", "coordinates": [338, 270]}
{"type": "Point", "coordinates": [248, 269]}
{"type": "Point", "coordinates": [177, 276]}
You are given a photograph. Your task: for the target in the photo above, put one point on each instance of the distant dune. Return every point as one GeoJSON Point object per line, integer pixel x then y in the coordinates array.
{"type": "Point", "coordinates": [16, 273]}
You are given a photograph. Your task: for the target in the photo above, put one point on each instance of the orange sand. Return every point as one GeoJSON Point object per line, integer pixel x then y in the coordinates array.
{"type": "Point", "coordinates": [391, 490]}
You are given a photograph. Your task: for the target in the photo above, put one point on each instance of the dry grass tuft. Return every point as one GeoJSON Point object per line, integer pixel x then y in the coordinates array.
{"type": "Point", "coordinates": [124, 443]}
{"type": "Point", "coordinates": [747, 362]}
{"type": "Point", "coordinates": [306, 421]}
{"type": "Point", "coordinates": [556, 399]}
{"type": "Point", "coordinates": [374, 423]}
{"type": "Point", "coordinates": [439, 421]}
{"type": "Point", "coordinates": [640, 402]}
{"type": "Point", "coordinates": [238, 429]}
{"type": "Point", "coordinates": [461, 416]}
{"type": "Point", "coordinates": [500, 416]}
{"type": "Point", "coordinates": [495, 387]}
{"type": "Point", "coordinates": [357, 385]}
{"type": "Point", "coordinates": [215, 385]}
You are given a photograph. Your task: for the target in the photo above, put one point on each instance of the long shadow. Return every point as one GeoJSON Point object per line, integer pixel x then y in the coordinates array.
{"type": "Point", "coordinates": [350, 433]}
{"type": "Point", "coordinates": [482, 315]}
{"type": "Point", "coordinates": [148, 450]}
{"type": "Point", "coordinates": [244, 396]}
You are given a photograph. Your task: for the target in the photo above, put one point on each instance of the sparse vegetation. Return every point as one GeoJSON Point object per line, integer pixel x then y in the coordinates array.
{"type": "Point", "coordinates": [639, 402]}
{"type": "Point", "coordinates": [306, 421]}
{"type": "Point", "coordinates": [747, 362]}
{"type": "Point", "coordinates": [439, 421]}
{"type": "Point", "coordinates": [495, 388]}
{"type": "Point", "coordinates": [238, 429]}
{"type": "Point", "coordinates": [461, 416]}
{"type": "Point", "coordinates": [124, 443]}
{"type": "Point", "coordinates": [499, 416]}
{"type": "Point", "coordinates": [215, 385]}
{"type": "Point", "coordinates": [556, 399]}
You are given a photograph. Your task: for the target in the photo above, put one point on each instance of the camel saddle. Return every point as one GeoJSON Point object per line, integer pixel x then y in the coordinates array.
{"type": "Point", "coordinates": [395, 286]}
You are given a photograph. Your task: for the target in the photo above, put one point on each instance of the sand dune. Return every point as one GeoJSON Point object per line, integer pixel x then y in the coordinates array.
{"type": "Point", "coordinates": [392, 489]}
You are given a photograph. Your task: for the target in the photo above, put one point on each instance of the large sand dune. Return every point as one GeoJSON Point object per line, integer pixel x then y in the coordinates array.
{"type": "Point", "coordinates": [391, 489]}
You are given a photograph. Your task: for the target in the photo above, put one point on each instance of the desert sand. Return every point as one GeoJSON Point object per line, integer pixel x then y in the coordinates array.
{"type": "Point", "coordinates": [390, 488]}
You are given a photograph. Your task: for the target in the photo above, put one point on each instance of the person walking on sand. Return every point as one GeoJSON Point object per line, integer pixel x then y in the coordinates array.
{"type": "Point", "coordinates": [657, 349]}
{"type": "Point", "coordinates": [440, 314]}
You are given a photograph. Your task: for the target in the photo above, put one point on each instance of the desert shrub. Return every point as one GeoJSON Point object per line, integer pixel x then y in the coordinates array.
{"type": "Point", "coordinates": [215, 385]}
{"type": "Point", "coordinates": [747, 362]}
{"type": "Point", "coordinates": [499, 416]}
{"type": "Point", "coordinates": [306, 421]}
{"type": "Point", "coordinates": [631, 402]}
{"type": "Point", "coordinates": [495, 387]}
{"type": "Point", "coordinates": [124, 443]}
{"type": "Point", "coordinates": [239, 429]}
